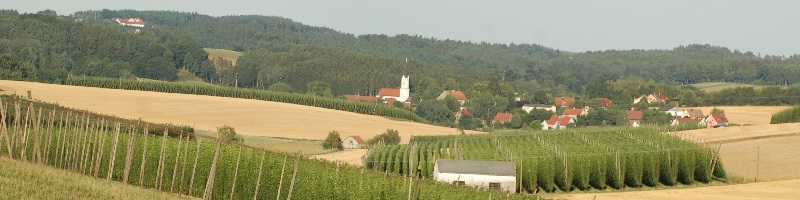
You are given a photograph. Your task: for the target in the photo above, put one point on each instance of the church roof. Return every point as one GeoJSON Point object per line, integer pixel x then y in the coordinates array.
{"type": "Point", "coordinates": [391, 92]}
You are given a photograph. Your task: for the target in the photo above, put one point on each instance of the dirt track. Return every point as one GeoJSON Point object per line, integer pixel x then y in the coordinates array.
{"type": "Point", "coordinates": [249, 117]}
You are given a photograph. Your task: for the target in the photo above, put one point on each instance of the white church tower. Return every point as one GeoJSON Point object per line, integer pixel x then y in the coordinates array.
{"type": "Point", "coordinates": [405, 90]}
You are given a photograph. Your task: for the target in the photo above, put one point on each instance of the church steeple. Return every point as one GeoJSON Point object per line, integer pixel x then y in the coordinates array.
{"type": "Point", "coordinates": [405, 89]}
{"type": "Point", "coordinates": [405, 68]}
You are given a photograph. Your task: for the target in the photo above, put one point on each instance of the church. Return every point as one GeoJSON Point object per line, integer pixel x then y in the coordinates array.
{"type": "Point", "coordinates": [397, 94]}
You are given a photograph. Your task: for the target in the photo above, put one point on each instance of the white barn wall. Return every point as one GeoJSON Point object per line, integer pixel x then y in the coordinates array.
{"type": "Point", "coordinates": [507, 183]}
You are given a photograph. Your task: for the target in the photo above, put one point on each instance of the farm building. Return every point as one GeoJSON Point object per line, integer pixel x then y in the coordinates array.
{"type": "Point", "coordinates": [574, 113]}
{"type": "Point", "coordinates": [564, 101]}
{"type": "Point", "coordinates": [716, 120]}
{"type": "Point", "coordinates": [353, 142]}
{"type": "Point", "coordinates": [556, 122]}
{"type": "Point", "coordinates": [634, 117]}
{"type": "Point", "coordinates": [502, 118]}
{"type": "Point", "coordinates": [130, 22]}
{"type": "Point", "coordinates": [605, 102]}
{"type": "Point", "coordinates": [456, 94]}
{"type": "Point", "coordinates": [488, 174]}
{"type": "Point", "coordinates": [529, 107]}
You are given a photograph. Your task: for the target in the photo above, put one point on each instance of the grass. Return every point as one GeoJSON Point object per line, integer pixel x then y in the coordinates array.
{"type": "Point", "coordinates": [719, 86]}
{"type": "Point", "coordinates": [22, 180]}
{"type": "Point", "coordinates": [229, 55]}
{"type": "Point", "coordinates": [285, 145]}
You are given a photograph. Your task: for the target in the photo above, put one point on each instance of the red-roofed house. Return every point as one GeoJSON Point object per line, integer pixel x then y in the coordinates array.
{"type": "Point", "coordinates": [353, 142]}
{"type": "Point", "coordinates": [502, 118]}
{"type": "Point", "coordinates": [390, 102]}
{"type": "Point", "coordinates": [130, 22]}
{"type": "Point", "coordinates": [564, 101]}
{"type": "Point", "coordinates": [556, 122]}
{"type": "Point", "coordinates": [573, 113]}
{"type": "Point", "coordinates": [354, 97]}
{"type": "Point", "coordinates": [656, 98]}
{"type": "Point", "coordinates": [634, 117]}
{"type": "Point", "coordinates": [462, 113]}
{"type": "Point", "coordinates": [605, 101]}
{"type": "Point", "coordinates": [681, 120]}
{"type": "Point", "coordinates": [456, 94]}
{"type": "Point", "coordinates": [716, 120]}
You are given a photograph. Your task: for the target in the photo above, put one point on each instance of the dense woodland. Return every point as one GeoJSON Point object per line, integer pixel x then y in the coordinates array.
{"type": "Point", "coordinates": [283, 54]}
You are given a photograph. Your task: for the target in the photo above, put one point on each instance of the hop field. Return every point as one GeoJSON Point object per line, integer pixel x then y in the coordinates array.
{"type": "Point", "coordinates": [551, 161]}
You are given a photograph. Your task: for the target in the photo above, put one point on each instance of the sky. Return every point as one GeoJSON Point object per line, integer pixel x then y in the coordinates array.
{"type": "Point", "coordinates": [766, 27]}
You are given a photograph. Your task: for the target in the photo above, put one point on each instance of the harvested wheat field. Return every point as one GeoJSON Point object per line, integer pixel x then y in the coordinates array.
{"type": "Point", "coordinates": [249, 117]}
{"type": "Point", "coordinates": [787, 189]}
{"type": "Point", "coordinates": [747, 115]}
{"type": "Point", "coordinates": [349, 156]}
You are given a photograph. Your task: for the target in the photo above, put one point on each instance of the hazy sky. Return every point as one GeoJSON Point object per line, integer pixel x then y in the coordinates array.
{"type": "Point", "coordinates": [767, 27]}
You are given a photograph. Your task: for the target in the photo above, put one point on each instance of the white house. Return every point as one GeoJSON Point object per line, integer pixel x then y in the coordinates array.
{"type": "Point", "coordinates": [676, 112]}
{"type": "Point", "coordinates": [130, 22]}
{"type": "Point", "coordinates": [556, 122]}
{"type": "Point", "coordinates": [353, 142]}
{"type": "Point", "coordinates": [528, 108]}
{"type": "Point", "coordinates": [488, 174]}
{"type": "Point", "coordinates": [458, 95]}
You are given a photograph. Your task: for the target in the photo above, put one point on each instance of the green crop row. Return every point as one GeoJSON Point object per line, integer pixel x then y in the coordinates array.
{"type": "Point", "coordinates": [246, 93]}
{"type": "Point", "coordinates": [82, 144]}
{"type": "Point", "coordinates": [790, 115]}
{"type": "Point", "coordinates": [577, 159]}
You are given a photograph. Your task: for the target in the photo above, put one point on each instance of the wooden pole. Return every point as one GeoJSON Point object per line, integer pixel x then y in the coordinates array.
{"type": "Point", "coordinates": [175, 166]}
{"type": "Point", "coordinates": [75, 141]}
{"type": "Point", "coordinates": [236, 172]}
{"type": "Point", "coordinates": [283, 169]}
{"type": "Point", "coordinates": [24, 143]}
{"type": "Point", "coordinates": [146, 135]}
{"type": "Point", "coordinates": [63, 141]}
{"type": "Point", "coordinates": [14, 137]}
{"type": "Point", "coordinates": [294, 177]}
{"type": "Point", "coordinates": [37, 154]}
{"type": "Point", "coordinates": [185, 154]}
{"type": "Point", "coordinates": [113, 155]}
{"type": "Point", "coordinates": [3, 129]}
{"type": "Point", "coordinates": [161, 159]}
{"type": "Point", "coordinates": [84, 148]}
{"type": "Point", "coordinates": [194, 169]}
{"type": "Point", "coordinates": [93, 144]}
{"type": "Point", "coordinates": [129, 154]}
{"type": "Point", "coordinates": [49, 138]}
{"type": "Point", "coordinates": [213, 172]}
{"type": "Point", "coordinates": [260, 170]}
{"type": "Point", "coordinates": [100, 148]}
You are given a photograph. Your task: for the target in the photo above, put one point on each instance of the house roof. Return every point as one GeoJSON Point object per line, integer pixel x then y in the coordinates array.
{"type": "Point", "coordinates": [467, 112]}
{"type": "Point", "coordinates": [502, 117]}
{"type": "Point", "coordinates": [564, 101]}
{"type": "Point", "coordinates": [696, 113]}
{"type": "Point", "coordinates": [137, 21]}
{"type": "Point", "coordinates": [355, 97]}
{"type": "Point", "coordinates": [666, 108]}
{"type": "Point", "coordinates": [538, 105]}
{"type": "Point", "coordinates": [562, 120]}
{"type": "Point", "coordinates": [496, 168]}
{"type": "Point", "coordinates": [522, 103]}
{"type": "Point", "coordinates": [357, 138]}
{"type": "Point", "coordinates": [682, 120]}
{"type": "Point", "coordinates": [574, 112]}
{"type": "Point", "coordinates": [457, 94]}
{"type": "Point", "coordinates": [634, 115]}
{"type": "Point", "coordinates": [719, 118]}
{"type": "Point", "coordinates": [392, 92]}
{"type": "Point", "coordinates": [605, 101]}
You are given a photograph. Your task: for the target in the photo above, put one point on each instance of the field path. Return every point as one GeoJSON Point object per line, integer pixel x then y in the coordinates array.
{"type": "Point", "coordinates": [249, 117]}
{"type": "Point", "coordinates": [787, 189]}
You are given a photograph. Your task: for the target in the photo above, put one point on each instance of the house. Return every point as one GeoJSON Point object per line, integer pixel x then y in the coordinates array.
{"type": "Point", "coordinates": [695, 114]}
{"type": "Point", "coordinates": [556, 122]}
{"type": "Point", "coordinates": [672, 110]}
{"type": "Point", "coordinates": [502, 118]}
{"type": "Point", "coordinates": [487, 174]}
{"type": "Point", "coordinates": [390, 102]}
{"type": "Point", "coordinates": [519, 104]}
{"type": "Point", "coordinates": [564, 101]}
{"type": "Point", "coordinates": [651, 98]}
{"type": "Point", "coordinates": [353, 142]}
{"type": "Point", "coordinates": [355, 97]}
{"type": "Point", "coordinates": [456, 94]}
{"type": "Point", "coordinates": [634, 117]}
{"type": "Point", "coordinates": [464, 112]}
{"type": "Point", "coordinates": [574, 113]}
{"type": "Point", "coordinates": [681, 120]}
{"type": "Point", "coordinates": [529, 107]}
{"type": "Point", "coordinates": [716, 120]}
{"type": "Point", "coordinates": [130, 22]}
{"type": "Point", "coordinates": [605, 102]}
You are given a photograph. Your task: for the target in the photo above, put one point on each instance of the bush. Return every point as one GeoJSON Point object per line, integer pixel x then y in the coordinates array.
{"type": "Point", "coordinates": [228, 133]}
{"type": "Point", "coordinates": [333, 141]}
{"type": "Point", "coordinates": [391, 136]}
{"type": "Point", "coordinates": [790, 115]}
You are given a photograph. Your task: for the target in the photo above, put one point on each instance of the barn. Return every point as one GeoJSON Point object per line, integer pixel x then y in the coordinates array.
{"type": "Point", "coordinates": [353, 142]}
{"type": "Point", "coordinates": [488, 174]}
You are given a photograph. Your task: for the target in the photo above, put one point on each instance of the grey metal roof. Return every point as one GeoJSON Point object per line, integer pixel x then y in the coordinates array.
{"type": "Point", "coordinates": [497, 168]}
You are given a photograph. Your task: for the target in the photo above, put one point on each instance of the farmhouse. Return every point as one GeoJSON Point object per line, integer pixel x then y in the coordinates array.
{"type": "Point", "coordinates": [605, 102]}
{"type": "Point", "coordinates": [487, 174]}
{"type": "Point", "coordinates": [695, 114]}
{"type": "Point", "coordinates": [651, 98]}
{"type": "Point", "coordinates": [528, 108]}
{"type": "Point", "coordinates": [502, 118]}
{"type": "Point", "coordinates": [672, 110]}
{"type": "Point", "coordinates": [716, 120]}
{"type": "Point", "coordinates": [573, 113]}
{"type": "Point", "coordinates": [556, 122]}
{"type": "Point", "coordinates": [564, 101]}
{"type": "Point", "coordinates": [461, 113]}
{"type": "Point", "coordinates": [456, 94]}
{"type": "Point", "coordinates": [355, 97]}
{"type": "Point", "coordinates": [353, 142]}
{"type": "Point", "coordinates": [634, 117]}
{"type": "Point", "coordinates": [130, 22]}
{"type": "Point", "coordinates": [682, 120]}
